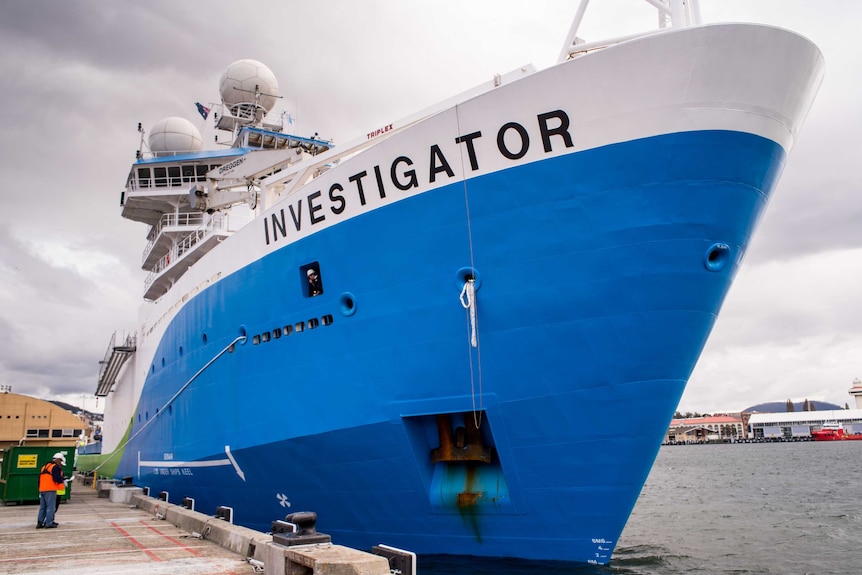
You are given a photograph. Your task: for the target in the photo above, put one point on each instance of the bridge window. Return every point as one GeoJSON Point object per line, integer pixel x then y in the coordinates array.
{"type": "Point", "coordinates": [174, 176]}
{"type": "Point", "coordinates": [161, 176]}
{"type": "Point", "coordinates": [144, 179]}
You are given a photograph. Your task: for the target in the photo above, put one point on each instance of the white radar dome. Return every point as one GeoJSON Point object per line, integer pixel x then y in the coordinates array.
{"type": "Point", "coordinates": [174, 136]}
{"type": "Point", "coordinates": [243, 81]}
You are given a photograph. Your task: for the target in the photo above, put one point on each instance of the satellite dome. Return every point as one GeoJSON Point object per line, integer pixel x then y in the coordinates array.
{"type": "Point", "coordinates": [174, 136]}
{"type": "Point", "coordinates": [248, 85]}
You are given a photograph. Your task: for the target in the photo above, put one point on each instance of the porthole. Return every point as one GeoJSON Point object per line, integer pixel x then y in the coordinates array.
{"type": "Point", "coordinates": [327, 319]}
{"type": "Point", "coordinates": [313, 323]}
{"type": "Point", "coordinates": [299, 327]}
{"type": "Point", "coordinates": [348, 304]}
{"type": "Point", "coordinates": [264, 337]}
{"type": "Point", "coordinates": [288, 329]}
{"type": "Point", "coordinates": [716, 257]}
{"type": "Point", "coordinates": [255, 340]}
{"type": "Point", "coordinates": [276, 333]}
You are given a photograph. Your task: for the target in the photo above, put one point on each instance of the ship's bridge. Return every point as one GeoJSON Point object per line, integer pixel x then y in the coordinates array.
{"type": "Point", "coordinates": [158, 186]}
{"type": "Point", "coordinates": [157, 194]}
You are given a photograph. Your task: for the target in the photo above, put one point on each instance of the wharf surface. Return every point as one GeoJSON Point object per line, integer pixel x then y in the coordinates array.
{"type": "Point", "coordinates": [98, 536]}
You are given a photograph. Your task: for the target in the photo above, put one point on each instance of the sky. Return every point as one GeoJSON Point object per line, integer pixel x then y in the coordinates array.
{"type": "Point", "coordinates": [79, 75]}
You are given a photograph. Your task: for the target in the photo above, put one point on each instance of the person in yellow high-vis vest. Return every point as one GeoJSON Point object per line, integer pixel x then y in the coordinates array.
{"type": "Point", "coordinates": [51, 480]}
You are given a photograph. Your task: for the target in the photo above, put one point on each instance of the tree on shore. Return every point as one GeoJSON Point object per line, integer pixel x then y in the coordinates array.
{"type": "Point", "coordinates": [789, 406]}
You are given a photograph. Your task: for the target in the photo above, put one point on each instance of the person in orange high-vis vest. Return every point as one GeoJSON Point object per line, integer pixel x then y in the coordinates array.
{"type": "Point", "coordinates": [51, 479]}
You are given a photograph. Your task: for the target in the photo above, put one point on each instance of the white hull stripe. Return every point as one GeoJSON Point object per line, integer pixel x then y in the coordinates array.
{"type": "Point", "coordinates": [210, 463]}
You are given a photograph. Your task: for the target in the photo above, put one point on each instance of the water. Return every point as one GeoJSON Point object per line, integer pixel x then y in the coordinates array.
{"type": "Point", "coordinates": [765, 509]}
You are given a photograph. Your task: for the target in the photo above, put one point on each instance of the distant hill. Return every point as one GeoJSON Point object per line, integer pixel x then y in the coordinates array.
{"type": "Point", "coordinates": [781, 406]}
{"type": "Point", "coordinates": [76, 410]}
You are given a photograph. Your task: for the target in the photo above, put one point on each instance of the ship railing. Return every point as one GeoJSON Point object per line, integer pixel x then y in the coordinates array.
{"type": "Point", "coordinates": [171, 220]}
{"type": "Point", "coordinates": [671, 14]}
{"type": "Point", "coordinates": [137, 184]}
{"type": "Point", "coordinates": [115, 357]}
{"type": "Point", "coordinates": [218, 223]}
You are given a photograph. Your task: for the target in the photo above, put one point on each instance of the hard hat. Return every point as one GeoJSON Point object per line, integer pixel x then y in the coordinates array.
{"type": "Point", "coordinates": [310, 272]}
{"type": "Point", "coordinates": [60, 456]}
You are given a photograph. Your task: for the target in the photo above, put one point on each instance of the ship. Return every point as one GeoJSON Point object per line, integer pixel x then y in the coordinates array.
{"type": "Point", "coordinates": [466, 331]}
{"type": "Point", "coordinates": [834, 431]}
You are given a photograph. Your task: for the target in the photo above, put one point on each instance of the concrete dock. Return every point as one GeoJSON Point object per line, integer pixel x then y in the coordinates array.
{"type": "Point", "coordinates": [97, 536]}
{"type": "Point", "coordinates": [133, 534]}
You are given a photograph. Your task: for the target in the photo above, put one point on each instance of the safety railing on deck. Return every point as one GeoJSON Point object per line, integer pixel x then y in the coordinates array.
{"type": "Point", "coordinates": [218, 223]}
{"type": "Point", "coordinates": [171, 220]}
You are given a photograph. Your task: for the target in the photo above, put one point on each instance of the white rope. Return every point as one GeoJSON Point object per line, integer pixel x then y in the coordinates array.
{"type": "Point", "coordinates": [468, 292]}
{"type": "Point", "coordinates": [468, 302]}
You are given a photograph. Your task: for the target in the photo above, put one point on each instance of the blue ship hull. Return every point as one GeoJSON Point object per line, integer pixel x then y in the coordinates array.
{"type": "Point", "coordinates": [595, 298]}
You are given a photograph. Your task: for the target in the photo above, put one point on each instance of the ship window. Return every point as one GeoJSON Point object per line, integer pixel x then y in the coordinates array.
{"type": "Point", "coordinates": [313, 323]}
{"type": "Point", "coordinates": [174, 176]}
{"type": "Point", "coordinates": [313, 282]}
{"type": "Point", "coordinates": [255, 339]}
{"type": "Point", "coordinates": [264, 336]}
{"type": "Point", "coordinates": [288, 329]}
{"type": "Point", "coordinates": [202, 173]}
{"type": "Point", "coordinates": [144, 180]}
{"type": "Point", "coordinates": [32, 433]}
{"type": "Point", "coordinates": [327, 319]}
{"type": "Point", "coordinates": [161, 176]}
{"type": "Point", "coordinates": [44, 433]}
{"type": "Point", "coordinates": [188, 174]}
{"type": "Point", "coordinates": [299, 327]}
{"type": "Point", "coordinates": [276, 333]}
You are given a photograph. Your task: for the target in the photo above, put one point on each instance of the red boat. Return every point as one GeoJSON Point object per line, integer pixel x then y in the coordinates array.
{"type": "Point", "coordinates": [833, 431]}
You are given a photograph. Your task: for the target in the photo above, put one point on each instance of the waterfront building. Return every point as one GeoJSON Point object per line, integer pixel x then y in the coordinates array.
{"type": "Point", "coordinates": [856, 392]}
{"type": "Point", "coordinates": [723, 428]}
{"type": "Point", "coordinates": [30, 421]}
{"type": "Point", "coordinates": [801, 423]}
